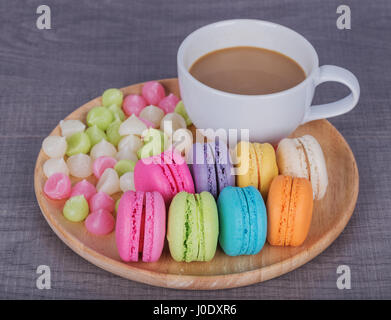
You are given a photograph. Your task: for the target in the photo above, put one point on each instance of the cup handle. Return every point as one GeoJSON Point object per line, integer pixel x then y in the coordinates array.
{"type": "Point", "coordinates": [336, 74]}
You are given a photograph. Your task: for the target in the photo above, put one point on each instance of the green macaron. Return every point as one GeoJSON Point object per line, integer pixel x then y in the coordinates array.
{"type": "Point", "coordinates": [193, 227]}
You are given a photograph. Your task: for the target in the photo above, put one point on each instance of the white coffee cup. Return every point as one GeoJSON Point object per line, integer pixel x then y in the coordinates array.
{"type": "Point", "coordinates": [269, 117]}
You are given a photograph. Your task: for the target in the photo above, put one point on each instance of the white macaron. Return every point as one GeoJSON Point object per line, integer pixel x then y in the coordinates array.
{"type": "Point", "coordinates": [303, 157]}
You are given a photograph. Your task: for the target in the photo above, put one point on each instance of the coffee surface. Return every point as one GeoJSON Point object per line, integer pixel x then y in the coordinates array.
{"type": "Point", "coordinates": [247, 70]}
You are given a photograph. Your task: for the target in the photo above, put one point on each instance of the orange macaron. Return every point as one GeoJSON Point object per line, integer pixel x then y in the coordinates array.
{"type": "Point", "coordinates": [289, 210]}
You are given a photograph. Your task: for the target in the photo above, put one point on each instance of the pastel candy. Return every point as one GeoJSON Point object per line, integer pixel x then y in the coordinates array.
{"type": "Point", "coordinates": [112, 96]}
{"type": "Point", "coordinates": [80, 165]}
{"type": "Point", "coordinates": [117, 204]}
{"type": "Point", "coordinates": [52, 166]}
{"type": "Point", "coordinates": [112, 132]}
{"type": "Point", "coordinates": [152, 114]}
{"type": "Point", "coordinates": [58, 186]}
{"type": "Point", "coordinates": [127, 182]}
{"type": "Point", "coordinates": [95, 134]}
{"type": "Point", "coordinates": [85, 188]}
{"type": "Point", "coordinates": [101, 149]}
{"type": "Point", "coordinates": [148, 123]}
{"type": "Point", "coordinates": [168, 104]}
{"type": "Point", "coordinates": [183, 140]}
{"type": "Point", "coordinates": [155, 141]}
{"type": "Point", "coordinates": [79, 142]}
{"type": "Point", "coordinates": [133, 104]}
{"type": "Point", "coordinates": [131, 142]}
{"type": "Point", "coordinates": [69, 127]}
{"type": "Point", "coordinates": [132, 125]}
{"type": "Point", "coordinates": [172, 122]}
{"type": "Point", "coordinates": [109, 182]}
{"type": "Point", "coordinates": [101, 164]}
{"type": "Point", "coordinates": [124, 166]}
{"type": "Point", "coordinates": [126, 154]}
{"type": "Point", "coordinates": [153, 92]}
{"type": "Point", "coordinates": [100, 222]}
{"type": "Point", "coordinates": [54, 146]}
{"type": "Point", "coordinates": [180, 109]}
{"type": "Point", "coordinates": [100, 117]}
{"type": "Point", "coordinates": [76, 209]}
{"type": "Point", "coordinates": [101, 200]}
{"type": "Point", "coordinates": [117, 112]}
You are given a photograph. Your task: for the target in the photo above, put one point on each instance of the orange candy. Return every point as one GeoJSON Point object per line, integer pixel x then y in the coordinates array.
{"type": "Point", "coordinates": [289, 209]}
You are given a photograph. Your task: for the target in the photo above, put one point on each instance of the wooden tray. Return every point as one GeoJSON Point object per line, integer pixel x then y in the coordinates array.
{"type": "Point", "coordinates": [330, 217]}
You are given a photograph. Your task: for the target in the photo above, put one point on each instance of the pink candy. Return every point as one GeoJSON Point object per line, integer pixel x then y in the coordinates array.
{"type": "Point", "coordinates": [133, 104]}
{"type": "Point", "coordinates": [100, 222]}
{"type": "Point", "coordinates": [153, 92]}
{"type": "Point", "coordinates": [148, 123]}
{"type": "Point", "coordinates": [169, 103]}
{"type": "Point", "coordinates": [101, 200]}
{"type": "Point", "coordinates": [101, 164]}
{"type": "Point", "coordinates": [84, 188]}
{"type": "Point", "coordinates": [58, 186]}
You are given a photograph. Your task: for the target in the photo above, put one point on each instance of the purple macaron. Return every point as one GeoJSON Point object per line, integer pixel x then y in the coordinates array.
{"type": "Point", "coordinates": [211, 167]}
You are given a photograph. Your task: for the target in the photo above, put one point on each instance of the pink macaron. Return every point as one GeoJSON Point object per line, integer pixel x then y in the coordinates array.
{"type": "Point", "coordinates": [140, 226]}
{"type": "Point", "coordinates": [153, 92]}
{"type": "Point", "coordinates": [166, 173]}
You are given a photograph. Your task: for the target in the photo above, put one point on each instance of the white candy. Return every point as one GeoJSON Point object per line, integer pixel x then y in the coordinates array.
{"type": "Point", "coordinates": [109, 182]}
{"type": "Point", "coordinates": [131, 142]}
{"type": "Point", "coordinates": [54, 166]}
{"type": "Point", "coordinates": [54, 146]}
{"type": "Point", "coordinates": [153, 114]}
{"type": "Point", "coordinates": [69, 127]}
{"type": "Point", "coordinates": [103, 148]}
{"type": "Point", "coordinates": [126, 154]}
{"type": "Point", "coordinates": [171, 122]}
{"type": "Point", "coordinates": [126, 182]}
{"type": "Point", "coordinates": [80, 165]}
{"type": "Point", "coordinates": [183, 140]}
{"type": "Point", "coordinates": [132, 125]}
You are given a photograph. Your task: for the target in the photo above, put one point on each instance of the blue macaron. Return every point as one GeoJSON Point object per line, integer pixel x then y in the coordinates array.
{"type": "Point", "coordinates": [242, 220]}
{"type": "Point", "coordinates": [211, 167]}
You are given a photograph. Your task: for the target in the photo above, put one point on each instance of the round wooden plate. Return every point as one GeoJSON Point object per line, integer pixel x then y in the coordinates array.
{"type": "Point", "coordinates": [330, 216]}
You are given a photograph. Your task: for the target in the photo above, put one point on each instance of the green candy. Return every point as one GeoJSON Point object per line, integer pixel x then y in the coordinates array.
{"type": "Point", "coordinates": [181, 110]}
{"type": "Point", "coordinates": [155, 142]}
{"type": "Point", "coordinates": [112, 133]}
{"type": "Point", "coordinates": [76, 209]}
{"type": "Point", "coordinates": [95, 134]}
{"type": "Point", "coordinates": [100, 117]}
{"type": "Point", "coordinates": [124, 166]}
{"type": "Point", "coordinates": [117, 204]}
{"type": "Point", "coordinates": [79, 142]}
{"type": "Point", "coordinates": [112, 96]}
{"type": "Point", "coordinates": [117, 112]}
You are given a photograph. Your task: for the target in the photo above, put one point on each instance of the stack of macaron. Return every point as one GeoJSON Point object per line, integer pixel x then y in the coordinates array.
{"type": "Point", "coordinates": [198, 196]}
{"type": "Point", "coordinates": [238, 205]}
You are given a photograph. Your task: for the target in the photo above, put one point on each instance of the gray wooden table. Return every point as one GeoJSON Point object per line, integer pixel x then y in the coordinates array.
{"type": "Point", "coordinates": [94, 45]}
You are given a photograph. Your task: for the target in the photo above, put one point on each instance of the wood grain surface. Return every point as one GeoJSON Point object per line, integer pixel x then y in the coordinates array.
{"type": "Point", "coordinates": [330, 216]}
{"type": "Point", "coordinates": [93, 45]}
